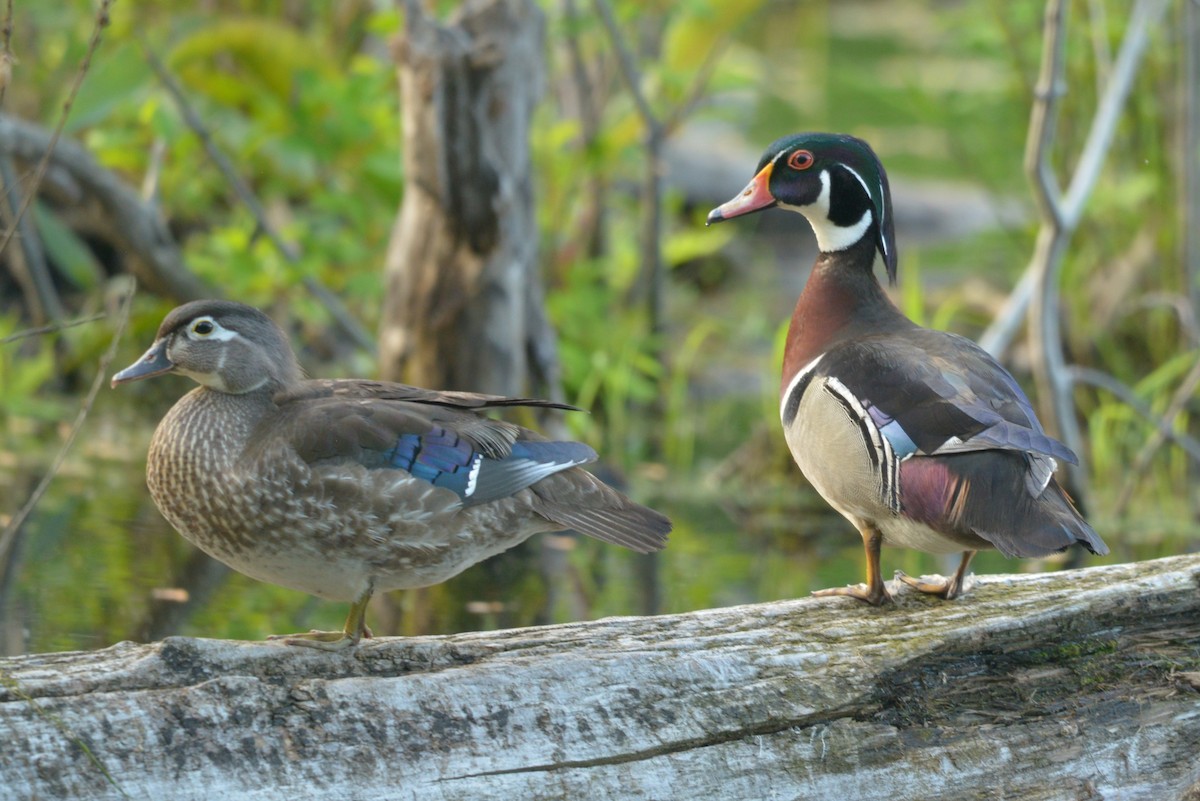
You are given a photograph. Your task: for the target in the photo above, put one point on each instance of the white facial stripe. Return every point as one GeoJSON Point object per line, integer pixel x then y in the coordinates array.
{"type": "Point", "coordinates": [791, 387]}
{"type": "Point", "coordinates": [830, 237]}
{"type": "Point", "coordinates": [867, 189]}
{"type": "Point", "coordinates": [853, 172]}
{"type": "Point", "coordinates": [219, 332]}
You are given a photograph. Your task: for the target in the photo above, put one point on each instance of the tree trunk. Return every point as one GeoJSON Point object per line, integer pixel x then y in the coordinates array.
{"type": "Point", "coordinates": [463, 306]}
{"type": "Point", "coordinates": [1071, 685]}
{"type": "Point", "coordinates": [463, 303]}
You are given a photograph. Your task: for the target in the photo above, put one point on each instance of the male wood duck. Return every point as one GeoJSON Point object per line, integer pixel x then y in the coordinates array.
{"type": "Point", "coordinates": [343, 488]}
{"type": "Point", "coordinates": [917, 437]}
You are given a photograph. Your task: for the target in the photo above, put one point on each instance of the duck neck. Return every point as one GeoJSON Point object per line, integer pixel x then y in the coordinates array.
{"type": "Point", "coordinates": [841, 299]}
{"type": "Point", "coordinates": [208, 429]}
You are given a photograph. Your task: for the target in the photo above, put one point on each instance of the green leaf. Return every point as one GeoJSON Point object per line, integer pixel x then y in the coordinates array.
{"type": "Point", "coordinates": [118, 75]}
{"type": "Point", "coordinates": [73, 258]}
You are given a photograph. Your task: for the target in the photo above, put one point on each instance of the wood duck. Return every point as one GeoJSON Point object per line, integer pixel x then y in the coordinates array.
{"type": "Point", "coordinates": [917, 437]}
{"type": "Point", "coordinates": [343, 488]}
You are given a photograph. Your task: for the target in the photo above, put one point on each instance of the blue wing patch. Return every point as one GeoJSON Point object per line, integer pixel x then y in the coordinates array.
{"type": "Point", "coordinates": [902, 444]}
{"type": "Point", "coordinates": [440, 457]}
{"type": "Point", "coordinates": [445, 459]}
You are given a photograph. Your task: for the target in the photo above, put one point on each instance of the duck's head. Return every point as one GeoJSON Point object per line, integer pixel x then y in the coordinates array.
{"type": "Point", "coordinates": [834, 180]}
{"type": "Point", "coordinates": [226, 346]}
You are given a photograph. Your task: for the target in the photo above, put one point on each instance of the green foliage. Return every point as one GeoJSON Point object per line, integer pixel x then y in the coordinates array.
{"type": "Point", "coordinates": [301, 98]}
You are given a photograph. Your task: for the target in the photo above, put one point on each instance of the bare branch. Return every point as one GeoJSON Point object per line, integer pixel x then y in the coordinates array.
{"type": "Point", "coordinates": [6, 56]}
{"type": "Point", "coordinates": [51, 328]}
{"type": "Point", "coordinates": [101, 23]}
{"type": "Point", "coordinates": [133, 228]}
{"type": "Point", "coordinates": [999, 335]}
{"type": "Point", "coordinates": [1183, 394]}
{"type": "Point", "coordinates": [1060, 215]}
{"type": "Point", "coordinates": [1145, 15]}
{"type": "Point", "coordinates": [240, 188]}
{"type": "Point", "coordinates": [1044, 115]}
{"type": "Point", "coordinates": [1098, 378]}
{"type": "Point", "coordinates": [14, 525]}
{"type": "Point", "coordinates": [27, 261]}
{"type": "Point", "coordinates": [1190, 146]}
{"type": "Point", "coordinates": [695, 91]}
{"type": "Point", "coordinates": [1063, 211]}
{"type": "Point", "coordinates": [629, 71]}
{"type": "Point", "coordinates": [652, 192]}
{"type": "Point", "coordinates": [289, 250]}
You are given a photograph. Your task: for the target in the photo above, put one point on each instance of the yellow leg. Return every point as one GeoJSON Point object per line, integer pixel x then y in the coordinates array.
{"type": "Point", "coordinates": [354, 630]}
{"type": "Point", "coordinates": [874, 592]}
{"type": "Point", "coordinates": [948, 588]}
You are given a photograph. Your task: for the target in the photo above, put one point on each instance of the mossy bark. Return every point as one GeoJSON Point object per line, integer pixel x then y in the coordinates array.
{"type": "Point", "coordinates": [1079, 684]}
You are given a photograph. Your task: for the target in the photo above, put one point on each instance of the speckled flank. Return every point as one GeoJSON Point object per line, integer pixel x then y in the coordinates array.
{"type": "Point", "coordinates": [332, 530]}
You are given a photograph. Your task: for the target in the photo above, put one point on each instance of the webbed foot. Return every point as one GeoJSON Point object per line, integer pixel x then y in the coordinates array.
{"type": "Point", "coordinates": [876, 595]}
{"type": "Point", "coordinates": [948, 588]}
{"type": "Point", "coordinates": [321, 640]}
{"type": "Point", "coordinates": [354, 630]}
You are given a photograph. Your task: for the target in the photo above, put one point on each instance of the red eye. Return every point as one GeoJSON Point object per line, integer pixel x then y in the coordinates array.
{"type": "Point", "coordinates": [800, 160]}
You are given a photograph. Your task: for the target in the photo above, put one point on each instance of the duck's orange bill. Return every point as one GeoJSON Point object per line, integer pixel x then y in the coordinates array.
{"type": "Point", "coordinates": [755, 197]}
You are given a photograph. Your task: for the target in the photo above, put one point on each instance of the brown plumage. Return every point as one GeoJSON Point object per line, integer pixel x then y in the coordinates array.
{"type": "Point", "coordinates": [343, 488]}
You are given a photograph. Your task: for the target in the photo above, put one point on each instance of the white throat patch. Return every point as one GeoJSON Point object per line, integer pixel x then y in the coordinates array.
{"type": "Point", "coordinates": [831, 237]}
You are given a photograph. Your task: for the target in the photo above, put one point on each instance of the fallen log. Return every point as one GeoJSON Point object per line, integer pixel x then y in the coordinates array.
{"type": "Point", "coordinates": [1070, 685]}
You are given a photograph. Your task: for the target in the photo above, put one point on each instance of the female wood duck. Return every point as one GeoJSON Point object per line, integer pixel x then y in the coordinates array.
{"type": "Point", "coordinates": [343, 488]}
{"type": "Point", "coordinates": [917, 437]}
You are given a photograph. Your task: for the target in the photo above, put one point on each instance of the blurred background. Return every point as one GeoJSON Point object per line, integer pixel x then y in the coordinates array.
{"type": "Point", "coordinates": [682, 385]}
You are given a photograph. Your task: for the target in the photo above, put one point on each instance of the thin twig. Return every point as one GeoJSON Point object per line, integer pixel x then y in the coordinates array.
{"type": "Point", "coordinates": [50, 329]}
{"type": "Point", "coordinates": [27, 261]}
{"type": "Point", "coordinates": [1065, 210]}
{"type": "Point", "coordinates": [14, 525]}
{"type": "Point", "coordinates": [94, 43]}
{"type": "Point", "coordinates": [6, 56]}
{"type": "Point", "coordinates": [695, 91]}
{"type": "Point", "coordinates": [1101, 52]}
{"type": "Point", "coordinates": [1101, 379]}
{"type": "Point", "coordinates": [629, 72]}
{"type": "Point", "coordinates": [1190, 152]}
{"type": "Point", "coordinates": [240, 187]}
{"type": "Point", "coordinates": [1184, 393]}
{"type": "Point", "coordinates": [1145, 15]}
{"type": "Point", "coordinates": [1043, 117]}
{"type": "Point", "coordinates": [289, 250]}
{"type": "Point", "coordinates": [646, 567]}
{"type": "Point", "coordinates": [1061, 213]}
{"type": "Point", "coordinates": [651, 200]}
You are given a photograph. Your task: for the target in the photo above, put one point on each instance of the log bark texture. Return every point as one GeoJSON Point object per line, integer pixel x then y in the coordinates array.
{"type": "Point", "coordinates": [1072, 685]}
{"type": "Point", "coordinates": [463, 303]}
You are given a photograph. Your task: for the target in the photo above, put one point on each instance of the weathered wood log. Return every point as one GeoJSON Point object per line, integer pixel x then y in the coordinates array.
{"type": "Point", "coordinates": [1071, 685]}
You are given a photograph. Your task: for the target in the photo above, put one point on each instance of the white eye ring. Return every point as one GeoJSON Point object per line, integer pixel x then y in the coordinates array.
{"type": "Point", "coordinates": [204, 327]}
